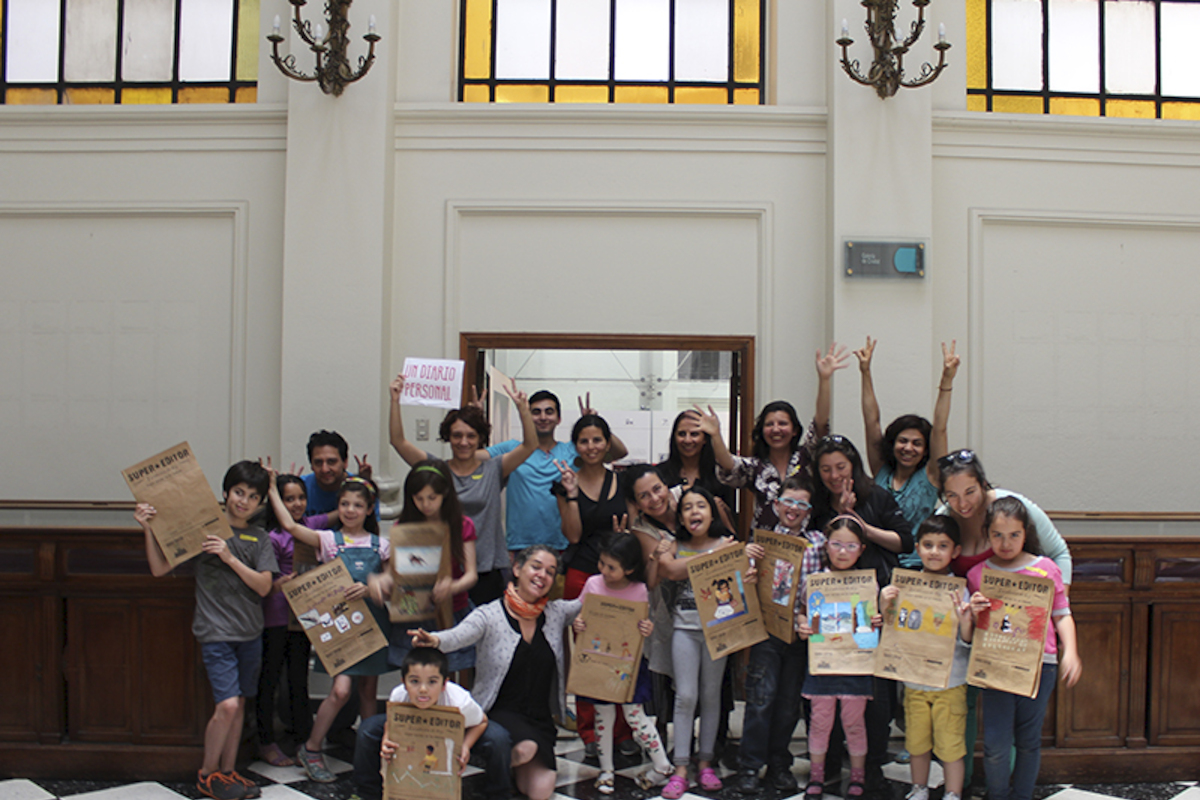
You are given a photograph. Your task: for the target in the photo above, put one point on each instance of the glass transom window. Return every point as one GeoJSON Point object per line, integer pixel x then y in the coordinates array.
{"type": "Point", "coordinates": [612, 51]}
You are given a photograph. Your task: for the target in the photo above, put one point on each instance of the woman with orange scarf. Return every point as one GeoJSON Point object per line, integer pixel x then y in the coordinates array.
{"type": "Point", "coordinates": [520, 672]}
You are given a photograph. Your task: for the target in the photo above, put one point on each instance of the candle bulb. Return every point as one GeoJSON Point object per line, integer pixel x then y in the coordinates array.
{"type": "Point", "coordinates": [371, 24]}
{"type": "Point", "coordinates": [941, 32]}
{"type": "Point", "coordinates": [845, 29]}
{"type": "Point", "coordinates": [320, 33]}
{"type": "Point", "coordinates": [276, 28]}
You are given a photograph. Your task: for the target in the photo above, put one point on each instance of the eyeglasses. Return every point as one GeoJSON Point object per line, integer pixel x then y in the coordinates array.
{"type": "Point", "coordinates": [957, 457]}
{"type": "Point", "coordinates": [792, 502]}
{"type": "Point", "coordinates": [845, 547]}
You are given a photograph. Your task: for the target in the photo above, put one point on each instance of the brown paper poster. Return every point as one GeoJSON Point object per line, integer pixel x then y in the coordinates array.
{"type": "Point", "coordinates": [920, 628]}
{"type": "Point", "coordinates": [607, 654]}
{"type": "Point", "coordinates": [428, 743]}
{"type": "Point", "coordinates": [729, 612]}
{"type": "Point", "coordinates": [840, 607]}
{"type": "Point", "coordinates": [779, 580]}
{"type": "Point", "coordinates": [342, 631]}
{"type": "Point", "coordinates": [174, 484]}
{"type": "Point", "coordinates": [1006, 653]}
{"type": "Point", "coordinates": [420, 555]}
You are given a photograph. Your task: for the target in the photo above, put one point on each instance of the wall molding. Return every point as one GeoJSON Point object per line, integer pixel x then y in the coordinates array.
{"type": "Point", "coordinates": [238, 213]}
{"type": "Point", "coordinates": [761, 213]}
{"type": "Point", "coordinates": [978, 221]}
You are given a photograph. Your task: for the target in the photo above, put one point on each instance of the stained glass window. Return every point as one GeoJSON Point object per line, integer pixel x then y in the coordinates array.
{"type": "Point", "coordinates": [612, 51]}
{"type": "Point", "coordinates": [128, 51]}
{"type": "Point", "coordinates": [1109, 58]}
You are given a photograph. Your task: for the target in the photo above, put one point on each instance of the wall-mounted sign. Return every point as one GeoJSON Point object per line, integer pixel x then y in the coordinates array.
{"type": "Point", "coordinates": [885, 259]}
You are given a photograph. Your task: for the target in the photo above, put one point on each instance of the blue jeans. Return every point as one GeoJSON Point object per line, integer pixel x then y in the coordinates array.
{"type": "Point", "coordinates": [773, 681]}
{"type": "Point", "coordinates": [494, 746]}
{"type": "Point", "coordinates": [1009, 720]}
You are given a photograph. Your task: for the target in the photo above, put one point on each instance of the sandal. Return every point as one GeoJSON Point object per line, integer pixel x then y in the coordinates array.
{"type": "Point", "coordinates": [274, 756]}
{"type": "Point", "coordinates": [709, 781]}
{"type": "Point", "coordinates": [605, 783]}
{"type": "Point", "coordinates": [676, 787]}
{"type": "Point", "coordinates": [814, 789]}
{"type": "Point", "coordinates": [855, 789]}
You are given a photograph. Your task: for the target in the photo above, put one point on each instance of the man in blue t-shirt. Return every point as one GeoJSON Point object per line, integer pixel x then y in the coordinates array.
{"type": "Point", "coordinates": [327, 455]}
{"type": "Point", "coordinates": [531, 515]}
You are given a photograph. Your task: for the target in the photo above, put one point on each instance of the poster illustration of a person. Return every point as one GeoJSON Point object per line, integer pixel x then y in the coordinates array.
{"type": "Point", "coordinates": [724, 597]}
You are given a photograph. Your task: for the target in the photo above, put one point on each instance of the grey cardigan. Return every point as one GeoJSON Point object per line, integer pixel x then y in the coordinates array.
{"type": "Point", "coordinates": [495, 642]}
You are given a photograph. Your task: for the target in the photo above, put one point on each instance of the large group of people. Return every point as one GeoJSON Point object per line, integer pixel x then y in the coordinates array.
{"type": "Point", "coordinates": [574, 525]}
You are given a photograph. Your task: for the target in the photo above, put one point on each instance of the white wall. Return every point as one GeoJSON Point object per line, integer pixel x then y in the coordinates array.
{"type": "Point", "coordinates": [1060, 257]}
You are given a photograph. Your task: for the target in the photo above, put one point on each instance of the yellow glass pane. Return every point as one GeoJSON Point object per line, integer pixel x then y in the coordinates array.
{"type": "Point", "coordinates": [476, 93]}
{"type": "Point", "coordinates": [976, 44]}
{"type": "Point", "coordinates": [745, 97]}
{"type": "Point", "coordinates": [477, 40]}
{"type": "Point", "coordinates": [1169, 110]}
{"type": "Point", "coordinates": [522, 93]}
{"type": "Point", "coordinates": [701, 95]}
{"type": "Point", "coordinates": [581, 94]}
{"type": "Point", "coordinates": [1075, 106]}
{"type": "Point", "coordinates": [641, 94]}
{"type": "Point", "coordinates": [1143, 109]}
{"type": "Point", "coordinates": [247, 41]}
{"type": "Point", "coordinates": [204, 94]}
{"type": "Point", "coordinates": [246, 94]}
{"type": "Point", "coordinates": [747, 27]}
{"type": "Point", "coordinates": [145, 96]}
{"type": "Point", "coordinates": [89, 96]}
{"type": "Point", "coordinates": [1017, 105]}
{"type": "Point", "coordinates": [31, 97]}
{"type": "Point", "coordinates": [976, 102]}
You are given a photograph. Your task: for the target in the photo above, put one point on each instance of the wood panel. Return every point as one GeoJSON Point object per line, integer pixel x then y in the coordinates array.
{"type": "Point", "coordinates": [22, 666]}
{"type": "Point", "coordinates": [1095, 712]}
{"type": "Point", "coordinates": [1175, 675]}
{"type": "Point", "coordinates": [100, 659]}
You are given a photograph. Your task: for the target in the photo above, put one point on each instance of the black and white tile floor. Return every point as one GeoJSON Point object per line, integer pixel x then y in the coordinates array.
{"type": "Point", "coordinates": [576, 777]}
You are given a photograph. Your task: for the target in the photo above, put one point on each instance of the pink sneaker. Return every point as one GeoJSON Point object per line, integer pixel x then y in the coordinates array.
{"type": "Point", "coordinates": [709, 781]}
{"type": "Point", "coordinates": [675, 788]}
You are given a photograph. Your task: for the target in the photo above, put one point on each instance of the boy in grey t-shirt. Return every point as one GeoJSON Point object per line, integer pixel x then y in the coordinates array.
{"type": "Point", "coordinates": [232, 577]}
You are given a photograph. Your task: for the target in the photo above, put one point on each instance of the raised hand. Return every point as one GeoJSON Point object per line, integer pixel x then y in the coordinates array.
{"type": "Point", "coordinates": [621, 523]}
{"type": "Point", "coordinates": [364, 469]}
{"type": "Point", "coordinates": [570, 480]}
{"type": "Point", "coordinates": [709, 422]}
{"type": "Point", "coordinates": [950, 360]}
{"type": "Point", "coordinates": [517, 396]}
{"type": "Point", "coordinates": [475, 401]}
{"type": "Point", "coordinates": [585, 405]}
{"type": "Point", "coordinates": [297, 472]}
{"type": "Point", "coordinates": [834, 359]}
{"type": "Point", "coordinates": [863, 354]}
{"type": "Point", "coordinates": [396, 388]}
{"type": "Point", "coordinates": [143, 513]}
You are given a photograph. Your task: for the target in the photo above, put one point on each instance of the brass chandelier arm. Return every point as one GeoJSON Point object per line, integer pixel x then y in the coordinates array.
{"type": "Point", "coordinates": [886, 72]}
{"type": "Point", "coordinates": [333, 71]}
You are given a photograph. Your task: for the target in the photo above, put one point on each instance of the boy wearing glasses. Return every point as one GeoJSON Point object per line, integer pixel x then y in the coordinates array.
{"type": "Point", "coordinates": [776, 671]}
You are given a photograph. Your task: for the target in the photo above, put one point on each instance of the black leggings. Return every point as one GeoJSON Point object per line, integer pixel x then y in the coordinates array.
{"type": "Point", "coordinates": [280, 647]}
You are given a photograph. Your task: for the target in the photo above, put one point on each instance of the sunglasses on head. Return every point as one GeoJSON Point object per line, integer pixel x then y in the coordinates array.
{"type": "Point", "coordinates": [957, 457]}
{"type": "Point", "coordinates": [835, 439]}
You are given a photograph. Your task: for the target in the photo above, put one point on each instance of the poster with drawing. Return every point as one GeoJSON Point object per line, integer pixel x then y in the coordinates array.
{"type": "Point", "coordinates": [1006, 653]}
{"type": "Point", "coordinates": [428, 743]}
{"type": "Point", "coordinates": [342, 631]}
{"type": "Point", "coordinates": [187, 511]}
{"type": "Point", "coordinates": [729, 612]}
{"type": "Point", "coordinates": [778, 581]}
{"type": "Point", "coordinates": [607, 654]}
{"type": "Point", "coordinates": [920, 628]}
{"type": "Point", "coordinates": [420, 557]}
{"type": "Point", "coordinates": [840, 607]}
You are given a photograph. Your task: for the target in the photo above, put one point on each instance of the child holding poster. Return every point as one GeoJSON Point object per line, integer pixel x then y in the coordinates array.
{"type": "Point", "coordinates": [776, 671]}
{"type": "Point", "coordinates": [232, 577]}
{"type": "Point", "coordinates": [697, 676]}
{"type": "Point", "coordinates": [936, 718]}
{"type": "Point", "coordinates": [622, 574]}
{"type": "Point", "coordinates": [364, 552]}
{"type": "Point", "coordinates": [1008, 718]}
{"type": "Point", "coordinates": [845, 541]}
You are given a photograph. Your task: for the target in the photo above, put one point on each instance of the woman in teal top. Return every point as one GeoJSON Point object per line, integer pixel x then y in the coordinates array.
{"type": "Point", "coordinates": [904, 458]}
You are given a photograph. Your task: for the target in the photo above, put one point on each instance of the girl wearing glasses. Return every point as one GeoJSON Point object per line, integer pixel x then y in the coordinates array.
{"type": "Point", "coordinates": [904, 457]}
{"type": "Point", "coordinates": [845, 545]}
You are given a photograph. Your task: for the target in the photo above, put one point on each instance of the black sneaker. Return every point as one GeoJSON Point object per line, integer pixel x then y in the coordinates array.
{"type": "Point", "coordinates": [783, 780]}
{"type": "Point", "coordinates": [219, 787]}
{"type": "Point", "coordinates": [747, 782]}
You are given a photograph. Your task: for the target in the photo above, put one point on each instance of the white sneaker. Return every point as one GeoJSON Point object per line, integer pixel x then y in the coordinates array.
{"type": "Point", "coordinates": [951, 796]}
{"type": "Point", "coordinates": [605, 783]}
{"type": "Point", "coordinates": [922, 793]}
